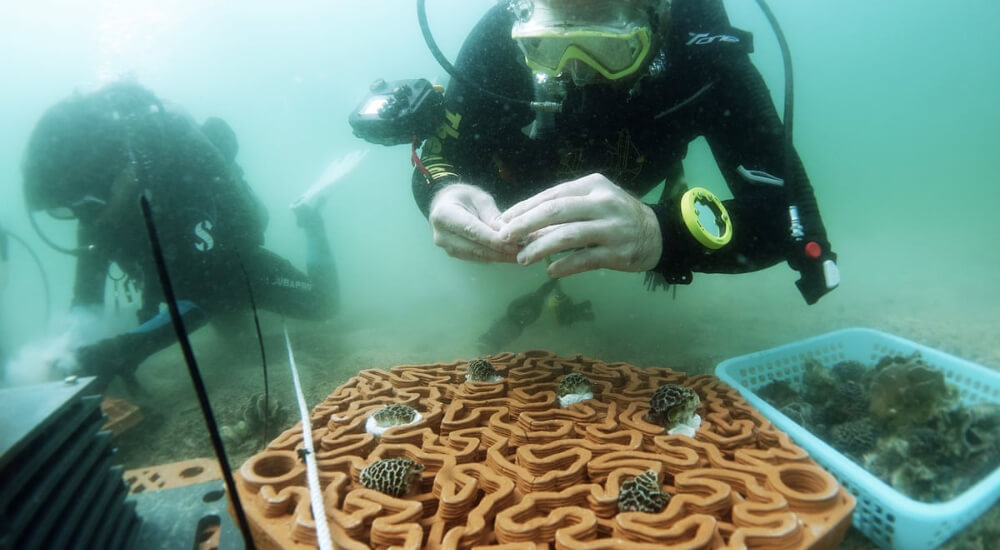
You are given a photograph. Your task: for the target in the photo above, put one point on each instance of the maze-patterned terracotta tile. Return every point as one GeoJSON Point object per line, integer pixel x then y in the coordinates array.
{"type": "Point", "coordinates": [506, 467]}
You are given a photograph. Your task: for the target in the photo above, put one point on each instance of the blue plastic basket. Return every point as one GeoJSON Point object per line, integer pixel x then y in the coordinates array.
{"type": "Point", "coordinates": [886, 516]}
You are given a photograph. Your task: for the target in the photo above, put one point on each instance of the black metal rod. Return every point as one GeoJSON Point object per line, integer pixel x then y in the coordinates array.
{"type": "Point", "coordinates": [260, 342]}
{"type": "Point", "coordinates": [192, 364]}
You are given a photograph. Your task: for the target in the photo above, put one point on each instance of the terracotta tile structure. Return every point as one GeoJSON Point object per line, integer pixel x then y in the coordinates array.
{"type": "Point", "coordinates": [121, 415]}
{"type": "Point", "coordinates": [173, 475]}
{"type": "Point", "coordinates": [506, 467]}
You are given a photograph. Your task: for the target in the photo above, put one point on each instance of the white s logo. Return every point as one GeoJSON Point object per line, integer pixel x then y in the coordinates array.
{"type": "Point", "coordinates": [202, 231]}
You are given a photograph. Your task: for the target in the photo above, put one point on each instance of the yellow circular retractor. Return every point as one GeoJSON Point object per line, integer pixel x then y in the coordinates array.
{"type": "Point", "coordinates": [699, 196]}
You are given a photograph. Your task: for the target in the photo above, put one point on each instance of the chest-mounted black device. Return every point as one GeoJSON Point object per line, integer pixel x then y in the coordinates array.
{"type": "Point", "coordinates": [399, 111]}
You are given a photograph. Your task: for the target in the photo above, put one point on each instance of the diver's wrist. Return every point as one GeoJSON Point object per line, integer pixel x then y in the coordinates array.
{"type": "Point", "coordinates": [673, 261]}
{"type": "Point", "coordinates": [651, 239]}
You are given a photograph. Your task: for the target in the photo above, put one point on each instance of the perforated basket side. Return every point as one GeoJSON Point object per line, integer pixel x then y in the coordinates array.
{"type": "Point", "coordinates": [886, 516]}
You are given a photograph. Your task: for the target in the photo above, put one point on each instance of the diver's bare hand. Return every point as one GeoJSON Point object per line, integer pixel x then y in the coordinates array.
{"type": "Point", "coordinates": [602, 225]}
{"type": "Point", "coordinates": [464, 221]}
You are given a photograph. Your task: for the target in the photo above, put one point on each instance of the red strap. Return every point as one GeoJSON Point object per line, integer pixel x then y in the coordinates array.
{"type": "Point", "coordinates": [415, 158]}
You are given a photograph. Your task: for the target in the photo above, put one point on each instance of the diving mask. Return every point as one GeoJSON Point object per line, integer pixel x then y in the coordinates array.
{"type": "Point", "coordinates": [583, 39]}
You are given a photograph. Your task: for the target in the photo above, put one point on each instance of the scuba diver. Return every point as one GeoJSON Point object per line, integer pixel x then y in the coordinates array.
{"type": "Point", "coordinates": [91, 156]}
{"type": "Point", "coordinates": [567, 111]}
{"type": "Point", "coordinates": [527, 308]}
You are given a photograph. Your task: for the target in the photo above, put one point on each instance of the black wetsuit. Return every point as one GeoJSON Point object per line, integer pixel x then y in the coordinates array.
{"type": "Point", "coordinates": [211, 228]}
{"type": "Point", "coordinates": [700, 83]}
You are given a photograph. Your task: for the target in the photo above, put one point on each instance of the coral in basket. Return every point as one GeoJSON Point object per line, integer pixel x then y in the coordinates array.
{"type": "Point", "coordinates": [502, 463]}
{"type": "Point", "coordinates": [900, 420]}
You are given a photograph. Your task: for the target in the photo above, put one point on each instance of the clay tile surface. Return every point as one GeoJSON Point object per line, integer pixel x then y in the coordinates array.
{"type": "Point", "coordinates": [505, 467]}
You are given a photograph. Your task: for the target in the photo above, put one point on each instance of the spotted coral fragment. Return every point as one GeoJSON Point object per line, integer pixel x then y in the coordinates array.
{"type": "Point", "coordinates": [672, 405]}
{"type": "Point", "coordinates": [392, 476]}
{"type": "Point", "coordinates": [642, 494]}
{"type": "Point", "coordinates": [481, 370]}
{"type": "Point", "coordinates": [848, 402]}
{"type": "Point", "coordinates": [855, 437]}
{"type": "Point", "coordinates": [574, 383]}
{"type": "Point", "coordinates": [394, 415]}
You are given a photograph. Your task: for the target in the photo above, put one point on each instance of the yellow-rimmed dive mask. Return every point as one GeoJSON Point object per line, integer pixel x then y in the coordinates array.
{"type": "Point", "coordinates": [584, 39]}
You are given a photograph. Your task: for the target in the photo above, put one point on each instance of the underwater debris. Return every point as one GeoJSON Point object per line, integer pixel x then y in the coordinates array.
{"type": "Point", "coordinates": [394, 414]}
{"type": "Point", "coordinates": [573, 388]}
{"type": "Point", "coordinates": [392, 476]}
{"type": "Point", "coordinates": [259, 409]}
{"type": "Point", "coordinates": [235, 434]}
{"type": "Point", "coordinates": [673, 407]}
{"type": "Point", "coordinates": [642, 494]}
{"type": "Point", "coordinates": [481, 370]}
{"type": "Point", "coordinates": [250, 429]}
